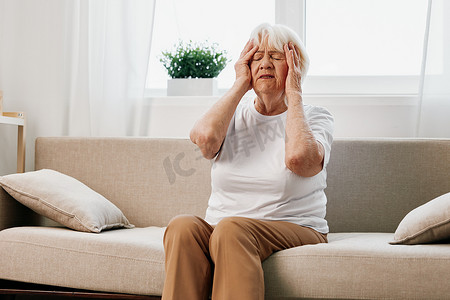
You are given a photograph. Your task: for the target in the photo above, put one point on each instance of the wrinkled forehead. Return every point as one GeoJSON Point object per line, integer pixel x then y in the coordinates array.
{"type": "Point", "coordinates": [263, 51]}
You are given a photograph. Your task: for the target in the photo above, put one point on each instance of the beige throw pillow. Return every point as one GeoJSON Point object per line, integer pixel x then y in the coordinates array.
{"type": "Point", "coordinates": [64, 200]}
{"type": "Point", "coordinates": [426, 224]}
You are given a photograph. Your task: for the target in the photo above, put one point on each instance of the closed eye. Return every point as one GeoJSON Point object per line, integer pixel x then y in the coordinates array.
{"type": "Point", "coordinates": [277, 56]}
{"type": "Point", "coordinates": [274, 55]}
{"type": "Point", "coordinates": [257, 56]}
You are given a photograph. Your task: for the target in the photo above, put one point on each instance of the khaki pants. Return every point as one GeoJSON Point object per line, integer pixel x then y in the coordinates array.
{"type": "Point", "coordinates": [225, 258]}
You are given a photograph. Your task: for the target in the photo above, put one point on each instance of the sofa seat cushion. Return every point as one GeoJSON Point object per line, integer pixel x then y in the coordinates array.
{"type": "Point", "coordinates": [123, 261]}
{"type": "Point", "coordinates": [360, 266]}
{"type": "Point", "coordinates": [354, 265]}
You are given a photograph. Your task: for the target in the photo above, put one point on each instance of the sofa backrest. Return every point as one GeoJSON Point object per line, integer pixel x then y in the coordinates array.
{"type": "Point", "coordinates": [150, 180]}
{"type": "Point", "coordinates": [372, 184]}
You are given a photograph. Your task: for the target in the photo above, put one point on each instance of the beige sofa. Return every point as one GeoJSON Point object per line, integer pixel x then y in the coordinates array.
{"type": "Point", "coordinates": [372, 185]}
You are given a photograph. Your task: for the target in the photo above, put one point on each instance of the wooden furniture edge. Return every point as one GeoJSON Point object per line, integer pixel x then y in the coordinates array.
{"type": "Point", "coordinates": [21, 139]}
{"type": "Point", "coordinates": [18, 114]}
{"type": "Point", "coordinates": [21, 142]}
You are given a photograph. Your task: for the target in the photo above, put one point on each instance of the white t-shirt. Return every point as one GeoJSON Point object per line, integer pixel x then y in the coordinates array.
{"type": "Point", "coordinates": [249, 177]}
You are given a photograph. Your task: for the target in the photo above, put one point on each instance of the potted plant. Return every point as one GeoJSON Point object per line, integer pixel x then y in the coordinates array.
{"type": "Point", "coordinates": [193, 68]}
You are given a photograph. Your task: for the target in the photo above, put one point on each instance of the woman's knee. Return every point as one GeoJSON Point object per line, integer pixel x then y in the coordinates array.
{"type": "Point", "coordinates": [181, 221]}
{"type": "Point", "coordinates": [233, 237]}
{"type": "Point", "coordinates": [183, 227]}
{"type": "Point", "coordinates": [231, 228]}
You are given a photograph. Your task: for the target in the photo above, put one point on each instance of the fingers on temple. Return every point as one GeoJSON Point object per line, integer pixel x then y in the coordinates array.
{"type": "Point", "coordinates": [289, 54]}
{"type": "Point", "coordinates": [247, 55]}
{"type": "Point", "coordinates": [247, 48]}
{"type": "Point", "coordinates": [295, 56]}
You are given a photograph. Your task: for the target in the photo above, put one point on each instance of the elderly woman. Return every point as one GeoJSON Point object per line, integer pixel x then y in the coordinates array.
{"type": "Point", "coordinates": [268, 176]}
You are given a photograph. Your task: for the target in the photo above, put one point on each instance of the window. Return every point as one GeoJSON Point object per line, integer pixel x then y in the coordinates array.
{"type": "Point", "coordinates": [228, 23]}
{"type": "Point", "coordinates": [365, 37]}
{"type": "Point", "coordinates": [355, 46]}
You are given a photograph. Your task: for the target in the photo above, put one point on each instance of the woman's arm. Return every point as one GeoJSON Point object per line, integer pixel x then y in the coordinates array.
{"type": "Point", "coordinates": [210, 130]}
{"type": "Point", "coordinates": [304, 155]}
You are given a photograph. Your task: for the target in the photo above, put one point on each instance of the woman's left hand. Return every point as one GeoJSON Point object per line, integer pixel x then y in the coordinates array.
{"type": "Point", "coordinates": [294, 78]}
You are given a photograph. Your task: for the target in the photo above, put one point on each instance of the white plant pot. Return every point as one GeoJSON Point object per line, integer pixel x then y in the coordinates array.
{"type": "Point", "coordinates": [192, 87]}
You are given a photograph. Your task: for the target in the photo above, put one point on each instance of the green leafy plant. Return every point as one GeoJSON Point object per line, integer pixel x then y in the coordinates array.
{"type": "Point", "coordinates": [194, 60]}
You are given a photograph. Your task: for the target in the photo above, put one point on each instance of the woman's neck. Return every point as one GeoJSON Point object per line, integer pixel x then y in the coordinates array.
{"type": "Point", "coordinates": [270, 105]}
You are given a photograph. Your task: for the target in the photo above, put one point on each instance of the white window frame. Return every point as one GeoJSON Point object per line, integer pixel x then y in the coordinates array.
{"type": "Point", "coordinates": [287, 12]}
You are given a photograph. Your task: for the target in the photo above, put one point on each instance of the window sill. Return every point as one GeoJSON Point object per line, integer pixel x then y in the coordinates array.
{"type": "Point", "coordinates": [342, 86]}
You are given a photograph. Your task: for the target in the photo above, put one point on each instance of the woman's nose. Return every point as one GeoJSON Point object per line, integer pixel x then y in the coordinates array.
{"type": "Point", "coordinates": [266, 63]}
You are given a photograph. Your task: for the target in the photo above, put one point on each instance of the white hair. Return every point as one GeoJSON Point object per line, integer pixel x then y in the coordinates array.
{"type": "Point", "coordinates": [276, 36]}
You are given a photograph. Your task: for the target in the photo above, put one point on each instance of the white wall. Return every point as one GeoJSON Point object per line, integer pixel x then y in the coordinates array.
{"type": "Point", "coordinates": [31, 51]}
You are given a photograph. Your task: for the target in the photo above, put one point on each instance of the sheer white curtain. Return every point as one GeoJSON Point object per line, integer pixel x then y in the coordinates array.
{"type": "Point", "coordinates": [434, 107]}
{"type": "Point", "coordinates": [76, 67]}
{"type": "Point", "coordinates": [109, 42]}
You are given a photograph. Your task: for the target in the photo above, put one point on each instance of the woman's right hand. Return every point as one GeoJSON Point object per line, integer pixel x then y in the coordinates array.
{"type": "Point", "coordinates": [242, 66]}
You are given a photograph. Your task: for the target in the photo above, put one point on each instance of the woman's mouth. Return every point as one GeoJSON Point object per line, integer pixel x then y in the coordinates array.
{"type": "Point", "coordinates": [266, 76]}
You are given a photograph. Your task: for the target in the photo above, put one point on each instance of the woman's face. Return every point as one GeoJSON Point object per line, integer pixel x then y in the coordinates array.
{"type": "Point", "coordinates": [269, 70]}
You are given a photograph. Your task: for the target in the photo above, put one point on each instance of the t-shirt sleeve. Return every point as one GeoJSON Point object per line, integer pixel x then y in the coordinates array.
{"type": "Point", "coordinates": [321, 123]}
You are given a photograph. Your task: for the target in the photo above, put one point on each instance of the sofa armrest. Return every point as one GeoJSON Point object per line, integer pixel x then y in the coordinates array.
{"type": "Point", "coordinates": [13, 214]}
